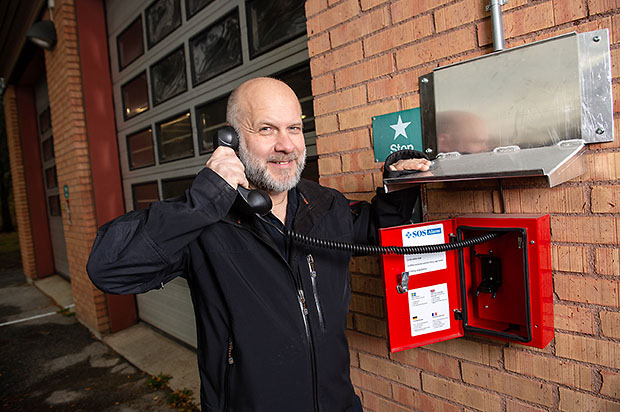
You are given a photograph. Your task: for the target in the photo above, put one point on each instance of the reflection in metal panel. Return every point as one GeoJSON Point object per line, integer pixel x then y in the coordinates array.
{"type": "Point", "coordinates": [520, 112]}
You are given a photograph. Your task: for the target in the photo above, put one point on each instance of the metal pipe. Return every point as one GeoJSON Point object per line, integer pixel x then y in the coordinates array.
{"type": "Point", "coordinates": [495, 7]}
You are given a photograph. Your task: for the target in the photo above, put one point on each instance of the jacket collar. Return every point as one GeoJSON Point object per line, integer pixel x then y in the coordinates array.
{"type": "Point", "coordinates": [314, 202]}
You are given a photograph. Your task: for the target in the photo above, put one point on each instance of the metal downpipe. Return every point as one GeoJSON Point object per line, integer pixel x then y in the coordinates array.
{"type": "Point", "coordinates": [495, 7]}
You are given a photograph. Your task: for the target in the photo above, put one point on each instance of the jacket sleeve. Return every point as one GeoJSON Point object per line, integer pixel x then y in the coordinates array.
{"type": "Point", "coordinates": [386, 209]}
{"type": "Point", "coordinates": [145, 249]}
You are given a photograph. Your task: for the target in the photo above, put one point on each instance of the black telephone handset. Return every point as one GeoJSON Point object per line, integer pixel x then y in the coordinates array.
{"type": "Point", "coordinates": [249, 201]}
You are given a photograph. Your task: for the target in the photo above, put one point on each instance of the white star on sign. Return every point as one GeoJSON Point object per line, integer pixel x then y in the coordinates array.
{"type": "Point", "coordinates": [399, 128]}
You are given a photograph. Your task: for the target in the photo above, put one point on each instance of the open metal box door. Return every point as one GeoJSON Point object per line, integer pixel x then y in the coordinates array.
{"type": "Point", "coordinates": [422, 292]}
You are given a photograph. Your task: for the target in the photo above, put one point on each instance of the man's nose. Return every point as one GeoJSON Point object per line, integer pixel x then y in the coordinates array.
{"type": "Point", "coordinates": [284, 142]}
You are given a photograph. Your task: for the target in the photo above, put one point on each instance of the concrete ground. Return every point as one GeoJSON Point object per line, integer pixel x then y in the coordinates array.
{"type": "Point", "coordinates": [49, 361]}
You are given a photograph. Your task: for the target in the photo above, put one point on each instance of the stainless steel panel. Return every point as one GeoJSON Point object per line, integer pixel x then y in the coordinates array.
{"type": "Point", "coordinates": [597, 98]}
{"type": "Point", "coordinates": [528, 96]}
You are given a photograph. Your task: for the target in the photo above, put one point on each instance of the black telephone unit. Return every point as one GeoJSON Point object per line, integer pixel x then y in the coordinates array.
{"type": "Point", "coordinates": [249, 201]}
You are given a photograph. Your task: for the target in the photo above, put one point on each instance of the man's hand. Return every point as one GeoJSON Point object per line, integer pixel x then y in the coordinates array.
{"type": "Point", "coordinates": [421, 165]}
{"type": "Point", "coordinates": [226, 164]}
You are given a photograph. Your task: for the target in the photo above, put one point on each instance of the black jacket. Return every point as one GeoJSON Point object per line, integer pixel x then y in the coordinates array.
{"type": "Point", "coordinates": [271, 334]}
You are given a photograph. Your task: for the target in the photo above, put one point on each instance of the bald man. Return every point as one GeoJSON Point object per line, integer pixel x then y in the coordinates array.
{"type": "Point", "coordinates": [270, 314]}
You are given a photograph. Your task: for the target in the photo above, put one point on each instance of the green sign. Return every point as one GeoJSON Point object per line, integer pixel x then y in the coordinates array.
{"type": "Point", "coordinates": [66, 189]}
{"type": "Point", "coordinates": [396, 131]}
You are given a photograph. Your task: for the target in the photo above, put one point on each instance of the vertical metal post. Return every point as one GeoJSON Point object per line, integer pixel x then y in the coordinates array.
{"type": "Point", "coordinates": [495, 7]}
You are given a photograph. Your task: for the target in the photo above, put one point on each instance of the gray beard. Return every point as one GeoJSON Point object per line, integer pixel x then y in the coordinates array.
{"type": "Point", "coordinates": [258, 175]}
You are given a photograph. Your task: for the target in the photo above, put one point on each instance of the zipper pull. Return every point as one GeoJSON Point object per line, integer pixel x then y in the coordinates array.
{"type": "Point", "coordinates": [302, 299]}
{"type": "Point", "coordinates": [230, 348]}
{"type": "Point", "coordinates": [311, 265]}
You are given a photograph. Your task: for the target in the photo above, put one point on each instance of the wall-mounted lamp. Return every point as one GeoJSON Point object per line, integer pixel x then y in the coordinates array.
{"type": "Point", "coordinates": [43, 34]}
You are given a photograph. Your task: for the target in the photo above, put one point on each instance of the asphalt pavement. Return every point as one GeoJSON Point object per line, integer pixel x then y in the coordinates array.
{"type": "Point", "coordinates": [51, 362]}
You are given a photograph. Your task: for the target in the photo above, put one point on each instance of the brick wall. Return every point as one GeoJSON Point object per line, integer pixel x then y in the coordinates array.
{"type": "Point", "coordinates": [73, 164]}
{"type": "Point", "coordinates": [366, 56]}
{"type": "Point", "coordinates": [18, 178]}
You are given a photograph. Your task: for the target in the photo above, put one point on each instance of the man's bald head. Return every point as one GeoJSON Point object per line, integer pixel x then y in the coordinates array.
{"type": "Point", "coordinates": [254, 90]}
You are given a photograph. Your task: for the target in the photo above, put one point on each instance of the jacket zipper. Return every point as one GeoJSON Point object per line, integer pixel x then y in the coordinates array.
{"type": "Point", "coordinates": [315, 290]}
{"type": "Point", "coordinates": [301, 299]}
{"type": "Point", "coordinates": [229, 364]}
{"type": "Point", "coordinates": [304, 311]}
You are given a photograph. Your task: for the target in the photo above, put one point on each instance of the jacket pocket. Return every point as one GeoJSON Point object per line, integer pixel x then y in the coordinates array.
{"type": "Point", "coordinates": [315, 290]}
{"type": "Point", "coordinates": [229, 364]}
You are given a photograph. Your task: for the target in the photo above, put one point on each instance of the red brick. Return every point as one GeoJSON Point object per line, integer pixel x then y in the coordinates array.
{"type": "Point", "coordinates": [369, 4]}
{"type": "Point", "coordinates": [336, 58]}
{"type": "Point", "coordinates": [396, 85]}
{"type": "Point", "coordinates": [587, 290]}
{"type": "Point", "coordinates": [597, 230]}
{"type": "Point", "coordinates": [569, 258]}
{"type": "Point", "coordinates": [473, 351]}
{"type": "Point", "coordinates": [363, 116]}
{"type": "Point", "coordinates": [369, 344]}
{"type": "Point", "coordinates": [369, 265]}
{"type": "Point", "coordinates": [574, 318]}
{"type": "Point", "coordinates": [420, 401]}
{"type": "Point", "coordinates": [326, 124]}
{"type": "Point", "coordinates": [568, 10]}
{"type": "Point", "coordinates": [330, 165]}
{"type": "Point", "coordinates": [318, 44]}
{"type": "Point", "coordinates": [516, 406]}
{"type": "Point", "coordinates": [457, 392]}
{"type": "Point", "coordinates": [365, 70]}
{"type": "Point", "coordinates": [454, 201]}
{"type": "Point", "coordinates": [459, 14]}
{"type": "Point", "coordinates": [562, 199]}
{"type": "Point", "coordinates": [577, 401]}
{"type": "Point", "coordinates": [370, 382]}
{"type": "Point", "coordinates": [587, 349]}
{"type": "Point", "coordinates": [322, 84]}
{"type": "Point", "coordinates": [333, 16]}
{"type": "Point", "coordinates": [610, 324]}
{"type": "Point", "coordinates": [368, 305]}
{"type": "Point", "coordinates": [353, 162]}
{"type": "Point", "coordinates": [343, 142]}
{"type": "Point", "coordinates": [410, 102]}
{"type": "Point", "coordinates": [335, 102]}
{"type": "Point", "coordinates": [390, 370]}
{"type": "Point", "coordinates": [437, 47]}
{"type": "Point", "coordinates": [404, 9]}
{"type": "Point", "coordinates": [611, 384]}
{"type": "Point", "coordinates": [369, 325]}
{"type": "Point", "coordinates": [602, 6]}
{"type": "Point", "coordinates": [605, 199]}
{"type": "Point", "coordinates": [373, 402]}
{"type": "Point", "coordinates": [607, 261]}
{"type": "Point", "coordinates": [428, 361]}
{"type": "Point", "coordinates": [503, 382]}
{"type": "Point", "coordinates": [398, 35]}
{"type": "Point", "coordinates": [367, 285]}
{"type": "Point", "coordinates": [601, 166]}
{"type": "Point", "coordinates": [357, 29]}
{"type": "Point", "coordinates": [315, 6]}
{"type": "Point", "coordinates": [548, 369]}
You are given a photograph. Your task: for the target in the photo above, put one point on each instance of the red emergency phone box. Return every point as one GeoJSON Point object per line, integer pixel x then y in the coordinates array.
{"type": "Point", "coordinates": [501, 288]}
